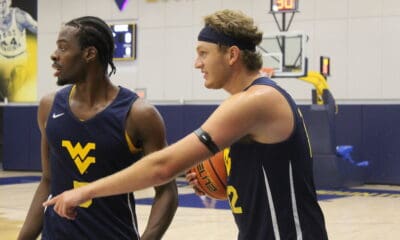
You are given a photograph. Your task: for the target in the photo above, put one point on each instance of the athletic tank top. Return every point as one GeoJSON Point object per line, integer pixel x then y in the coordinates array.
{"type": "Point", "coordinates": [12, 40]}
{"type": "Point", "coordinates": [81, 152]}
{"type": "Point", "coordinates": [271, 188]}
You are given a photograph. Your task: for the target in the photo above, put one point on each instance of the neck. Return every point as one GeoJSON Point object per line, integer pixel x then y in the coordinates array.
{"type": "Point", "coordinates": [95, 91]}
{"type": "Point", "coordinates": [240, 81]}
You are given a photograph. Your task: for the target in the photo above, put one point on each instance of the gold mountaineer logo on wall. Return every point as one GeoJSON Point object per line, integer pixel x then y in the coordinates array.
{"type": "Point", "coordinates": [80, 155]}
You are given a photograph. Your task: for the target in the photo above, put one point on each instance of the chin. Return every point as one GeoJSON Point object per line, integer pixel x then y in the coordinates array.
{"type": "Point", "coordinates": [208, 84]}
{"type": "Point", "coordinates": [62, 82]}
{"type": "Point", "coordinates": [211, 86]}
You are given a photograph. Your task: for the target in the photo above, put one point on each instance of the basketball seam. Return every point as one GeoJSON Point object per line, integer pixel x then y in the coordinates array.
{"type": "Point", "coordinates": [216, 173]}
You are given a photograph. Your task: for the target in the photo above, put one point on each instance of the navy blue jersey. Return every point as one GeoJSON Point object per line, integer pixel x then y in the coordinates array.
{"type": "Point", "coordinates": [81, 152]}
{"type": "Point", "coordinates": [271, 187]}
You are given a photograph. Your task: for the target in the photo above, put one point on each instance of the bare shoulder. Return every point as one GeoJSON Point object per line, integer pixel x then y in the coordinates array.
{"type": "Point", "coordinates": [262, 95]}
{"type": "Point", "coordinates": [145, 126]}
{"type": "Point", "coordinates": [255, 99]}
{"type": "Point", "coordinates": [257, 112]}
{"type": "Point", "coordinates": [142, 110]}
{"type": "Point", "coordinates": [47, 100]}
{"type": "Point", "coordinates": [45, 104]}
{"type": "Point", "coordinates": [143, 119]}
{"type": "Point", "coordinates": [274, 121]}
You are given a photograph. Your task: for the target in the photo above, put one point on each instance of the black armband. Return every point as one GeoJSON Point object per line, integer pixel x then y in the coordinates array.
{"type": "Point", "coordinates": [206, 139]}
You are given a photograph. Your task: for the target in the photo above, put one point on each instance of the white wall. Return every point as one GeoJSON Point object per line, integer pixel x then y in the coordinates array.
{"type": "Point", "coordinates": [360, 36]}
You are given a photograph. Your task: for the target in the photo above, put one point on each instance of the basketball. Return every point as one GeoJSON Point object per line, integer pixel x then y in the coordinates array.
{"type": "Point", "coordinates": [211, 176]}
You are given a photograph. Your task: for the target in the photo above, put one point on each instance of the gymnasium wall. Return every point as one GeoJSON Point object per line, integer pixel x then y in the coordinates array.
{"type": "Point", "coordinates": [360, 36]}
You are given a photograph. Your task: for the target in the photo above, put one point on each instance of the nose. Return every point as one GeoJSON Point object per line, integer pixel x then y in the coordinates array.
{"type": "Point", "coordinates": [198, 63]}
{"type": "Point", "coordinates": [53, 56]}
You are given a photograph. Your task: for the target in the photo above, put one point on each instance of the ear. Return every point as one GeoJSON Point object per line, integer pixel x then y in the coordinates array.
{"type": "Point", "coordinates": [90, 54]}
{"type": "Point", "coordinates": [234, 54]}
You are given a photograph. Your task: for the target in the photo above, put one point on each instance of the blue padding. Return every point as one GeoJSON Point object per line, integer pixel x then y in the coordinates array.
{"type": "Point", "coordinates": [181, 120]}
{"type": "Point", "coordinates": [372, 129]}
{"type": "Point", "coordinates": [195, 115]}
{"type": "Point", "coordinates": [173, 118]}
{"type": "Point", "coordinates": [19, 180]}
{"type": "Point", "coordinates": [21, 149]}
{"type": "Point", "coordinates": [349, 129]}
{"type": "Point", "coordinates": [321, 129]}
{"type": "Point", "coordinates": [381, 142]}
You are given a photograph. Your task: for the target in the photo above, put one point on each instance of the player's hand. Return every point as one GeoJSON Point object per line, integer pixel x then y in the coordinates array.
{"type": "Point", "coordinates": [192, 180]}
{"type": "Point", "coordinates": [66, 203]}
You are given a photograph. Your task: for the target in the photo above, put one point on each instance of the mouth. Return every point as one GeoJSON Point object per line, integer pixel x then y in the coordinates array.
{"type": "Point", "coordinates": [57, 68]}
{"type": "Point", "coordinates": [204, 75]}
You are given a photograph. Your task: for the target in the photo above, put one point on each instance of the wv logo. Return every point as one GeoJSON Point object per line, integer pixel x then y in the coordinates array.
{"type": "Point", "coordinates": [80, 154]}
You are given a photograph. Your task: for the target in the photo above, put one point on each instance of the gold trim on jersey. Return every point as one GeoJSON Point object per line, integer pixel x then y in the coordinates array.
{"type": "Point", "coordinates": [131, 146]}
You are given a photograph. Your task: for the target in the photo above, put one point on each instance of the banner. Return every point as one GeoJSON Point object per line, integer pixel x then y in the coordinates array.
{"type": "Point", "coordinates": [18, 50]}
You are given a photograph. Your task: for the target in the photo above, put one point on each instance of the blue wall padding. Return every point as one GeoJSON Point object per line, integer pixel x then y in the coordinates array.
{"type": "Point", "coordinates": [194, 116]}
{"type": "Point", "coordinates": [21, 139]}
{"type": "Point", "coordinates": [321, 131]}
{"type": "Point", "coordinates": [349, 129]}
{"type": "Point", "coordinates": [381, 142]}
{"type": "Point", "coordinates": [372, 130]}
{"type": "Point", "coordinates": [173, 119]}
{"type": "Point", "coordinates": [181, 120]}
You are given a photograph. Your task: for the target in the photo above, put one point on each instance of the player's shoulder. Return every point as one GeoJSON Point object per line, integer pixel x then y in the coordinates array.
{"type": "Point", "coordinates": [256, 94]}
{"type": "Point", "coordinates": [264, 94]}
{"type": "Point", "coordinates": [141, 108]}
{"type": "Point", "coordinates": [45, 104]}
{"type": "Point", "coordinates": [47, 99]}
{"type": "Point", "coordinates": [144, 120]}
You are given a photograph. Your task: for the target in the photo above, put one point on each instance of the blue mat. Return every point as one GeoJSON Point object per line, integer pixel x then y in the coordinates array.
{"type": "Point", "coordinates": [18, 180]}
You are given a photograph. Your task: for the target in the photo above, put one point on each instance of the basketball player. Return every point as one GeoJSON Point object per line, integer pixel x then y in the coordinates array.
{"type": "Point", "coordinates": [90, 129]}
{"type": "Point", "coordinates": [13, 54]}
{"type": "Point", "coordinates": [270, 184]}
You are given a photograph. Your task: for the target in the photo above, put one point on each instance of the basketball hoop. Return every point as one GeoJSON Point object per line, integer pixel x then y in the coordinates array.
{"type": "Point", "coordinates": [267, 71]}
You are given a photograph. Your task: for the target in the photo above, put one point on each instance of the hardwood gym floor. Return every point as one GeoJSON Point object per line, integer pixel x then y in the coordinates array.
{"type": "Point", "coordinates": [369, 212]}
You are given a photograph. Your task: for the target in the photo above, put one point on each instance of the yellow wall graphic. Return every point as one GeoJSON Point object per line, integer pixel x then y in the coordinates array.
{"type": "Point", "coordinates": [18, 51]}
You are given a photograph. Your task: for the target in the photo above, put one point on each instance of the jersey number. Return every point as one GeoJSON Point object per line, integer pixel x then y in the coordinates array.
{"type": "Point", "coordinates": [233, 197]}
{"type": "Point", "coordinates": [231, 190]}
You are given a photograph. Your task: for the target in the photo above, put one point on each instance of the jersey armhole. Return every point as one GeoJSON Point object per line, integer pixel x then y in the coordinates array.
{"type": "Point", "coordinates": [132, 148]}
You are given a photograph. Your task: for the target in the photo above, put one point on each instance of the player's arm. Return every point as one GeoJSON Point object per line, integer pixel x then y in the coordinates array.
{"type": "Point", "coordinates": [25, 20]}
{"type": "Point", "coordinates": [261, 113]}
{"type": "Point", "coordinates": [34, 219]}
{"type": "Point", "coordinates": [146, 128]}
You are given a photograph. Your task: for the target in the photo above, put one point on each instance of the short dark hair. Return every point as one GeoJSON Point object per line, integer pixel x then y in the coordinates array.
{"type": "Point", "coordinates": [93, 31]}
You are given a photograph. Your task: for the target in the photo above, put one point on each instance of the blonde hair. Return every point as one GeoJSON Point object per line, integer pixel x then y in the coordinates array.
{"type": "Point", "coordinates": [240, 27]}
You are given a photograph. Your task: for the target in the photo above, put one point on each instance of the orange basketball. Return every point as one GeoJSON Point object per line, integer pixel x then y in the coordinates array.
{"type": "Point", "coordinates": [211, 176]}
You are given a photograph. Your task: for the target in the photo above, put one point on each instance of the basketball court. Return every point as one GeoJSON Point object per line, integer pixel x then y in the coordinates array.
{"type": "Point", "coordinates": [368, 212]}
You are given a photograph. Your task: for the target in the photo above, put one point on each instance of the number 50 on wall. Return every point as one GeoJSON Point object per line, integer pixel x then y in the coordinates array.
{"type": "Point", "coordinates": [278, 6]}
